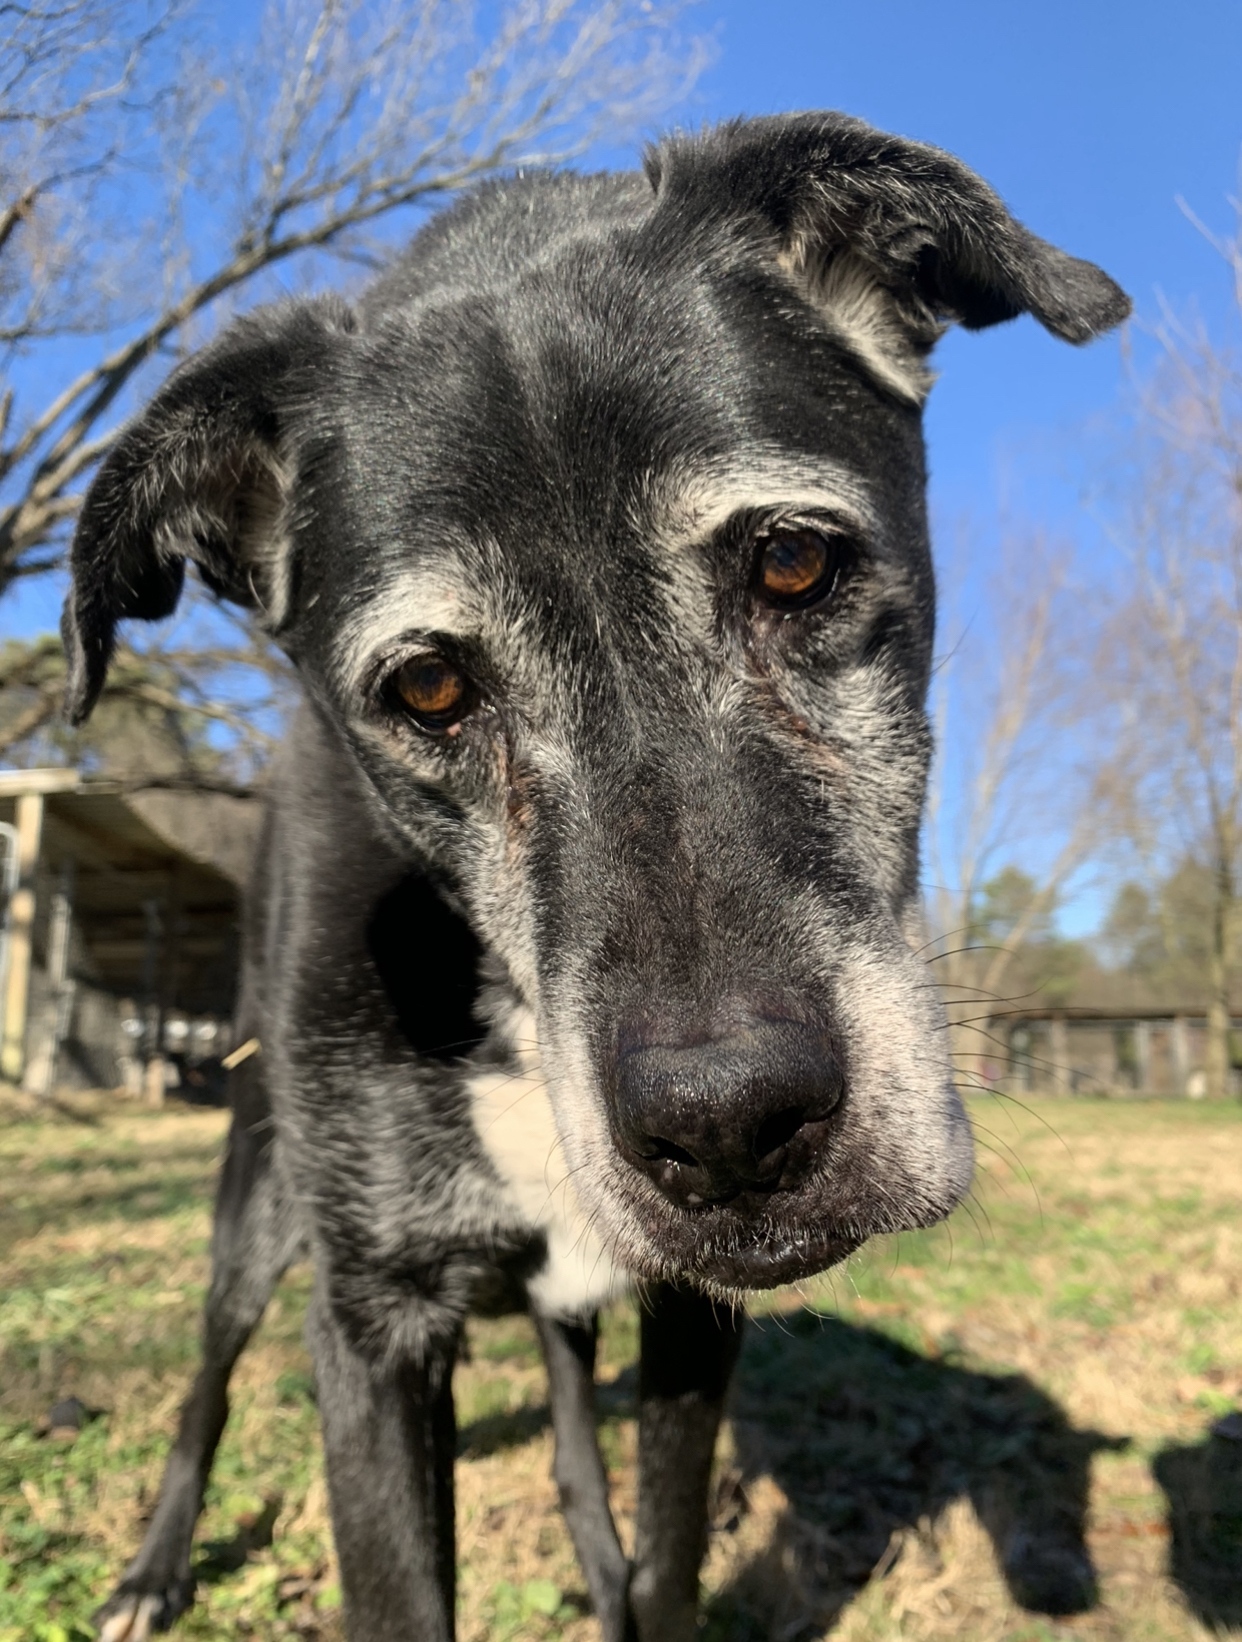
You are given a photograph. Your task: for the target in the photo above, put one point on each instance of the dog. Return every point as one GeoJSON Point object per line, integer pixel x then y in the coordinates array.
{"type": "Point", "coordinates": [582, 948]}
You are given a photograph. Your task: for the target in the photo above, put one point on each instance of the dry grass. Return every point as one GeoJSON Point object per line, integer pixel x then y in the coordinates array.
{"type": "Point", "coordinates": [999, 1431]}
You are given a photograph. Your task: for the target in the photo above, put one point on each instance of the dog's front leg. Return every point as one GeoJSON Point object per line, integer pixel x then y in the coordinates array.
{"type": "Point", "coordinates": [689, 1348]}
{"type": "Point", "coordinates": [389, 1437]}
{"type": "Point", "coordinates": [569, 1353]}
{"type": "Point", "coordinates": [255, 1238]}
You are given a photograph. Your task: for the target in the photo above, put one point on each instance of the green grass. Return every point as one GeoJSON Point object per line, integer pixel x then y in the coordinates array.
{"type": "Point", "coordinates": [1010, 1416]}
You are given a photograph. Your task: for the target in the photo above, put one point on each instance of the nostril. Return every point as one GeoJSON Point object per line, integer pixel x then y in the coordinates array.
{"type": "Point", "coordinates": [777, 1131]}
{"type": "Point", "coordinates": [668, 1152]}
{"type": "Point", "coordinates": [708, 1118]}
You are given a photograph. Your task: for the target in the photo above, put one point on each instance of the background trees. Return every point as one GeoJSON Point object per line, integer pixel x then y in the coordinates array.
{"type": "Point", "coordinates": [1090, 705]}
{"type": "Point", "coordinates": [1169, 664]}
{"type": "Point", "coordinates": [1017, 793]}
{"type": "Point", "coordinates": [157, 173]}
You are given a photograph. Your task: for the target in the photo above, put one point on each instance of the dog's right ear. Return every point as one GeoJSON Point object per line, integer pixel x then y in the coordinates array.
{"type": "Point", "coordinates": [890, 240]}
{"type": "Point", "coordinates": [206, 472]}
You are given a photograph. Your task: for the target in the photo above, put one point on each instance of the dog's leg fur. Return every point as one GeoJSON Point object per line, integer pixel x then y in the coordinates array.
{"type": "Point", "coordinates": [569, 1353]}
{"type": "Point", "coordinates": [379, 1145]}
{"type": "Point", "coordinates": [254, 1239]}
{"type": "Point", "coordinates": [689, 1347]}
{"type": "Point", "coordinates": [389, 1441]}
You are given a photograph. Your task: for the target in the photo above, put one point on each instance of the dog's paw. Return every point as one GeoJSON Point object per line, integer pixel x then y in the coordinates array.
{"type": "Point", "coordinates": [134, 1616]}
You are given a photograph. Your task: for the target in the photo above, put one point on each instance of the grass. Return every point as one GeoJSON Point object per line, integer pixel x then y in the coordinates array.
{"type": "Point", "coordinates": [1000, 1430]}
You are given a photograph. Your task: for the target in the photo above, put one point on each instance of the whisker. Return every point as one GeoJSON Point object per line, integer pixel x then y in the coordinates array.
{"type": "Point", "coordinates": [969, 1205]}
{"type": "Point", "coordinates": [1012, 1156]}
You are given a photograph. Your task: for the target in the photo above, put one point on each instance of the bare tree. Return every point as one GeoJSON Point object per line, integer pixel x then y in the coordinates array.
{"type": "Point", "coordinates": [1020, 796]}
{"type": "Point", "coordinates": [1173, 656]}
{"type": "Point", "coordinates": [152, 177]}
{"type": "Point", "coordinates": [202, 713]}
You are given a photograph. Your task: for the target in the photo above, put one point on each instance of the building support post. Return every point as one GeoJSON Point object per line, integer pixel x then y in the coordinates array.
{"type": "Point", "coordinates": [1142, 1055]}
{"type": "Point", "coordinates": [29, 819]}
{"type": "Point", "coordinates": [1058, 1046]}
{"type": "Point", "coordinates": [42, 1062]}
{"type": "Point", "coordinates": [1181, 1054]}
{"type": "Point", "coordinates": [153, 1017]}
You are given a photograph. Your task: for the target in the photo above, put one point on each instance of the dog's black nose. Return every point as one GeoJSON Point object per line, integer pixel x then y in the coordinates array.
{"type": "Point", "coordinates": [711, 1116]}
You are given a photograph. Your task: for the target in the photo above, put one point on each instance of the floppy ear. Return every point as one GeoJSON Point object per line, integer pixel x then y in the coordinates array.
{"type": "Point", "coordinates": [206, 472]}
{"type": "Point", "coordinates": [888, 239]}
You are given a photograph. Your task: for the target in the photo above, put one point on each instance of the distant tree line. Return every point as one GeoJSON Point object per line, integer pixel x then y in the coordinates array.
{"type": "Point", "coordinates": [1156, 935]}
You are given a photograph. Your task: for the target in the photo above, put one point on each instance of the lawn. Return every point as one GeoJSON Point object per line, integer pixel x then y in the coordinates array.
{"type": "Point", "coordinates": [1001, 1429]}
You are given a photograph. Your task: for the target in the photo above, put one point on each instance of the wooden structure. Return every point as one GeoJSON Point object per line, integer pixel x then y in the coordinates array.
{"type": "Point", "coordinates": [1109, 1036]}
{"type": "Point", "coordinates": [118, 961]}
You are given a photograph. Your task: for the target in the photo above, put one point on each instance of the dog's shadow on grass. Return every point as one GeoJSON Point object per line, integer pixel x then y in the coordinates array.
{"type": "Point", "coordinates": [866, 1438]}
{"type": "Point", "coordinates": [1203, 1486]}
{"type": "Point", "coordinates": [493, 1432]}
{"type": "Point", "coordinates": [218, 1558]}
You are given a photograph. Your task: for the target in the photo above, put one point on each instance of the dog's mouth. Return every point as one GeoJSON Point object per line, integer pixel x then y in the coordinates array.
{"type": "Point", "coordinates": [772, 1259]}
{"type": "Point", "coordinates": [767, 1141]}
{"type": "Point", "coordinates": [761, 1240]}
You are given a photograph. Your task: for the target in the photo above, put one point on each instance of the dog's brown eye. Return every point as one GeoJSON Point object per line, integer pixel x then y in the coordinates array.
{"type": "Point", "coordinates": [797, 567]}
{"type": "Point", "coordinates": [432, 691]}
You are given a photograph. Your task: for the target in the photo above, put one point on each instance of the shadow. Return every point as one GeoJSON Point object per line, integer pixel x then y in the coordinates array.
{"type": "Point", "coordinates": [492, 1432]}
{"type": "Point", "coordinates": [615, 1399]}
{"type": "Point", "coordinates": [62, 1108]}
{"type": "Point", "coordinates": [145, 1200]}
{"type": "Point", "coordinates": [867, 1438]}
{"type": "Point", "coordinates": [1203, 1486]}
{"type": "Point", "coordinates": [28, 1110]}
{"type": "Point", "coordinates": [220, 1557]}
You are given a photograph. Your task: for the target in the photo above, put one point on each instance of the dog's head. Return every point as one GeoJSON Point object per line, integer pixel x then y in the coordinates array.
{"type": "Point", "coordinates": [599, 533]}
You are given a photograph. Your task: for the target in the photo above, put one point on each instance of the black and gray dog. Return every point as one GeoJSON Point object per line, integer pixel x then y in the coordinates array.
{"type": "Point", "coordinates": [596, 532]}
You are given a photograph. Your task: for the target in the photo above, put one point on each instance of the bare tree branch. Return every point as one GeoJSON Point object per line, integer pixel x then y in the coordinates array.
{"type": "Point", "coordinates": [1174, 643]}
{"type": "Point", "coordinates": [347, 114]}
{"type": "Point", "coordinates": [199, 713]}
{"type": "Point", "coordinates": [1015, 798]}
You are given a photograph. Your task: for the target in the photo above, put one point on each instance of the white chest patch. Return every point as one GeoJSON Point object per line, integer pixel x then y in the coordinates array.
{"type": "Point", "coordinates": [513, 1117]}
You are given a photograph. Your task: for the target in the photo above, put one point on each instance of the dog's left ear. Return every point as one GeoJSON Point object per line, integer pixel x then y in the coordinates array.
{"type": "Point", "coordinates": [207, 472]}
{"type": "Point", "coordinates": [889, 239]}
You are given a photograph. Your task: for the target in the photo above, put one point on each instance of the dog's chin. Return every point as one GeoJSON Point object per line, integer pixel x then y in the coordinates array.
{"type": "Point", "coordinates": [762, 1244]}
{"type": "Point", "coordinates": [770, 1261]}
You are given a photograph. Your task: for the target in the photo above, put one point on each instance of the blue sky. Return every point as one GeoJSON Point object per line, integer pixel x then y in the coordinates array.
{"type": "Point", "coordinates": [1090, 118]}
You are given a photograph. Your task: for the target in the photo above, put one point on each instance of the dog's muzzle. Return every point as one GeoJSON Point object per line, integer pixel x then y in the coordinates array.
{"type": "Point", "coordinates": [732, 1109]}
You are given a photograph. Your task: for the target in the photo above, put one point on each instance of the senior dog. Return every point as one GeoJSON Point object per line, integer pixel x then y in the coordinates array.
{"type": "Point", "coordinates": [581, 946]}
